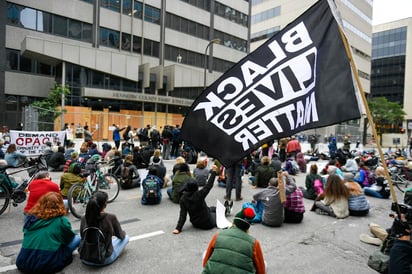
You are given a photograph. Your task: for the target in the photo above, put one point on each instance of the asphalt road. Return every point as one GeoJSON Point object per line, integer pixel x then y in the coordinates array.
{"type": "Point", "coordinates": [320, 244]}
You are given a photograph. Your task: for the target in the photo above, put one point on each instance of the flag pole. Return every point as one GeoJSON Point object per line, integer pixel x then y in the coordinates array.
{"type": "Point", "coordinates": [368, 114]}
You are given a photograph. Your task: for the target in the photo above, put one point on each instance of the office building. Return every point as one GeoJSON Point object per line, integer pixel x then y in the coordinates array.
{"type": "Point", "coordinates": [146, 58]}
{"type": "Point", "coordinates": [391, 66]}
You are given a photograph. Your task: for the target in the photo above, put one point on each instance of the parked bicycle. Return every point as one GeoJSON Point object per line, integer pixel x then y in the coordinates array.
{"type": "Point", "coordinates": [13, 191]}
{"type": "Point", "coordinates": [401, 177]}
{"type": "Point", "coordinates": [79, 194]}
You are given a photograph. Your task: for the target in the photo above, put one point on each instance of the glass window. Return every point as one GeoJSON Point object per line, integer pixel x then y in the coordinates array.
{"type": "Point", "coordinates": [44, 69]}
{"type": "Point", "coordinates": [137, 9]}
{"type": "Point", "coordinates": [28, 18]}
{"type": "Point", "coordinates": [75, 29]}
{"type": "Point", "coordinates": [13, 14]}
{"type": "Point", "coordinates": [126, 41]}
{"type": "Point", "coordinates": [25, 64]}
{"type": "Point", "coordinates": [60, 25]}
{"type": "Point", "coordinates": [111, 4]}
{"type": "Point", "coordinates": [12, 60]}
{"type": "Point", "coordinates": [137, 44]}
{"type": "Point", "coordinates": [127, 7]}
{"type": "Point", "coordinates": [86, 32]}
{"type": "Point", "coordinates": [109, 38]}
{"type": "Point", "coordinates": [44, 22]}
{"type": "Point", "coordinates": [152, 14]}
{"type": "Point", "coordinates": [97, 79]}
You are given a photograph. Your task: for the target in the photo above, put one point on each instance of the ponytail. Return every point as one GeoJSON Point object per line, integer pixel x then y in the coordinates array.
{"type": "Point", "coordinates": [94, 207]}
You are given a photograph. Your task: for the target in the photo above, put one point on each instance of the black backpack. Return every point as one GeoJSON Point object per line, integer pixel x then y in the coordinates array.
{"type": "Point", "coordinates": [92, 247]}
{"type": "Point", "coordinates": [151, 190]}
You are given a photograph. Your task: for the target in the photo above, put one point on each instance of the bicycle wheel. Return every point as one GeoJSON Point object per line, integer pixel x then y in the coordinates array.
{"type": "Point", "coordinates": [78, 197]}
{"type": "Point", "coordinates": [4, 198]}
{"type": "Point", "coordinates": [110, 185]}
{"type": "Point", "coordinates": [401, 183]}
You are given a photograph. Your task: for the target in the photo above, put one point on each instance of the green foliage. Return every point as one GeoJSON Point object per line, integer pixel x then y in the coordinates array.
{"type": "Point", "coordinates": [47, 108]}
{"type": "Point", "coordinates": [385, 112]}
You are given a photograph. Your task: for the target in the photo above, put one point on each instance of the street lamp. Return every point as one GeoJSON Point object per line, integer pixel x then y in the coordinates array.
{"type": "Point", "coordinates": [214, 41]}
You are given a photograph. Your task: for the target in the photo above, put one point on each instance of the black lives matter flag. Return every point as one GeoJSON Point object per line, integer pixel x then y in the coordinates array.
{"type": "Point", "coordinates": [298, 80]}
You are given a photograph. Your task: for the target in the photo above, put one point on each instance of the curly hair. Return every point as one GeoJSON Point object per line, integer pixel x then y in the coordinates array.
{"type": "Point", "coordinates": [335, 188]}
{"type": "Point", "coordinates": [49, 206]}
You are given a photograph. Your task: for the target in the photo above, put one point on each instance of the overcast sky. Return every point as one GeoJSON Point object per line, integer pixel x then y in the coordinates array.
{"type": "Point", "coordinates": [390, 10]}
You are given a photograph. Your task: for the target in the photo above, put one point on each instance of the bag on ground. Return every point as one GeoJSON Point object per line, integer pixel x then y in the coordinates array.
{"type": "Point", "coordinates": [151, 189]}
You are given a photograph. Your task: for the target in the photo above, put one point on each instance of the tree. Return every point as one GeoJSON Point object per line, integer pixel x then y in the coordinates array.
{"type": "Point", "coordinates": [47, 107]}
{"type": "Point", "coordinates": [386, 115]}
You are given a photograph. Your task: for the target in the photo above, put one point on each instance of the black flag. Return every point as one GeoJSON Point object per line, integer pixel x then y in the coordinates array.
{"type": "Point", "coordinates": [299, 79]}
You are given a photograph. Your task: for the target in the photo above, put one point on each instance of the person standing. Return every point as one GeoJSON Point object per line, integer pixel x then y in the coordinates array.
{"type": "Point", "coordinates": [167, 137]}
{"type": "Point", "coordinates": [293, 147]}
{"type": "Point", "coordinates": [234, 179]}
{"type": "Point", "coordinates": [97, 217]}
{"type": "Point", "coordinates": [116, 135]}
{"type": "Point", "coordinates": [175, 141]}
{"type": "Point", "coordinates": [410, 147]}
{"type": "Point", "coordinates": [233, 250]}
{"type": "Point", "coordinates": [282, 149]}
{"type": "Point", "coordinates": [49, 240]}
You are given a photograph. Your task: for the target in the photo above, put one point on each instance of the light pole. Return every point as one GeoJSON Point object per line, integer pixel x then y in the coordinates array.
{"type": "Point", "coordinates": [214, 41]}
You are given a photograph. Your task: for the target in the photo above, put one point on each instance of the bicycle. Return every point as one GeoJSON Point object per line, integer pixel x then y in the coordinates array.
{"type": "Point", "coordinates": [79, 194]}
{"type": "Point", "coordinates": [401, 177]}
{"type": "Point", "coordinates": [10, 190]}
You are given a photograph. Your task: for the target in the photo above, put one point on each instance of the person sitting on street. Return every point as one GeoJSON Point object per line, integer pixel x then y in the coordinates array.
{"type": "Point", "coordinates": [233, 250]}
{"type": "Point", "coordinates": [310, 191]}
{"type": "Point", "coordinates": [40, 185]}
{"type": "Point", "coordinates": [193, 202]}
{"type": "Point", "coordinates": [351, 165]}
{"type": "Point", "coordinates": [300, 160]}
{"type": "Point", "coordinates": [129, 173]}
{"type": "Point", "coordinates": [268, 201]}
{"type": "Point", "coordinates": [152, 187]}
{"type": "Point", "coordinates": [161, 170]}
{"type": "Point", "coordinates": [264, 172]}
{"type": "Point", "coordinates": [69, 178]}
{"type": "Point", "coordinates": [57, 160]}
{"type": "Point", "coordinates": [181, 177]}
{"type": "Point", "coordinates": [362, 177]}
{"type": "Point", "coordinates": [13, 157]}
{"type": "Point", "coordinates": [294, 208]}
{"type": "Point", "coordinates": [334, 201]}
{"type": "Point", "coordinates": [358, 204]}
{"type": "Point", "coordinates": [380, 188]}
{"type": "Point", "coordinates": [49, 240]}
{"type": "Point", "coordinates": [201, 172]}
{"type": "Point", "coordinates": [108, 223]}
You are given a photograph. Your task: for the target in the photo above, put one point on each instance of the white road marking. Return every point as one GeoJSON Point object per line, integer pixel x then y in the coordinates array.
{"type": "Point", "coordinates": [134, 238]}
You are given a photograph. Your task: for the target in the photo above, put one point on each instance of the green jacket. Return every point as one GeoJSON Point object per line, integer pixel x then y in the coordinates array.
{"type": "Point", "coordinates": [179, 179]}
{"type": "Point", "coordinates": [44, 248]}
{"type": "Point", "coordinates": [67, 180]}
{"type": "Point", "coordinates": [263, 175]}
{"type": "Point", "coordinates": [233, 253]}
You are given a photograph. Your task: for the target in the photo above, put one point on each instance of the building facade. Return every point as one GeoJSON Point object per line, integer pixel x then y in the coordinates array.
{"type": "Point", "coordinates": [270, 16]}
{"type": "Point", "coordinates": [150, 56]}
{"type": "Point", "coordinates": [392, 66]}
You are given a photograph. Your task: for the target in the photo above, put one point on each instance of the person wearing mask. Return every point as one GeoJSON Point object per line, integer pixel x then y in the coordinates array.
{"type": "Point", "coordinates": [193, 202]}
{"type": "Point", "coordinates": [234, 250]}
{"type": "Point", "coordinates": [49, 240]}
{"type": "Point", "coordinates": [96, 216]}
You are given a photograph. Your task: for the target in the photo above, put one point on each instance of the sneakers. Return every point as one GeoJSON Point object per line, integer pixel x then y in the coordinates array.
{"type": "Point", "coordinates": [321, 212]}
{"type": "Point", "coordinates": [228, 207]}
{"type": "Point", "coordinates": [370, 240]}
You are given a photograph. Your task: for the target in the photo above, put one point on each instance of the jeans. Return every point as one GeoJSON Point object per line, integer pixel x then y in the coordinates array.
{"type": "Point", "coordinates": [74, 243]}
{"type": "Point", "coordinates": [118, 246]}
